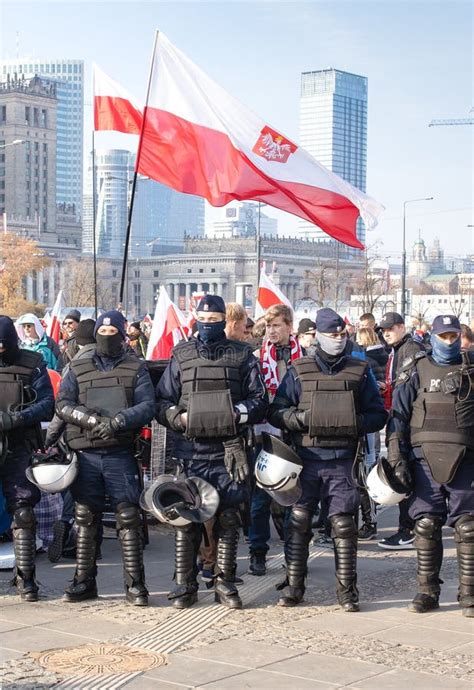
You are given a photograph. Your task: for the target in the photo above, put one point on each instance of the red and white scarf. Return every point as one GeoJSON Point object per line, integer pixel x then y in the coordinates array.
{"type": "Point", "coordinates": [269, 364]}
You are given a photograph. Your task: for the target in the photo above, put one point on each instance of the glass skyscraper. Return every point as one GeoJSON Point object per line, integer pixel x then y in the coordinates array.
{"type": "Point", "coordinates": [68, 76]}
{"type": "Point", "coordinates": [333, 129]}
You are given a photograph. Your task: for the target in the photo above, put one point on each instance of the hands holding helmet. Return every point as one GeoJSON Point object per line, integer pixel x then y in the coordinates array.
{"type": "Point", "coordinates": [400, 465]}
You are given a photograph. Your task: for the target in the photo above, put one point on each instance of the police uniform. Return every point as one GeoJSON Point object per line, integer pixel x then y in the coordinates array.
{"type": "Point", "coordinates": [26, 400]}
{"type": "Point", "coordinates": [217, 382]}
{"type": "Point", "coordinates": [431, 440]}
{"type": "Point", "coordinates": [105, 398]}
{"type": "Point", "coordinates": [327, 402]}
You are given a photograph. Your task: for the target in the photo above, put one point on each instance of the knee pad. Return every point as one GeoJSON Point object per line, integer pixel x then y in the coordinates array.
{"type": "Point", "coordinates": [24, 518]}
{"type": "Point", "coordinates": [343, 526]}
{"type": "Point", "coordinates": [229, 519]}
{"type": "Point", "coordinates": [300, 520]}
{"type": "Point", "coordinates": [429, 527]}
{"type": "Point", "coordinates": [85, 517]}
{"type": "Point", "coordinates": [128, 516]}
{"type": "Point", "coordinates": [464, 529]}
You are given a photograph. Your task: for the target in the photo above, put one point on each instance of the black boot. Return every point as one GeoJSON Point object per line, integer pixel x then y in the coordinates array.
{"type": "Point", "coordinates": [344, 534]}
{"type": "Point", "coordinates": [296, 555]}
{"type": "Point", "coordinates": [84, 585]}
{"type": "Point", "coordinates": [24, 544]}
{"type": "Point", "coordinates": [258, 563]}
{"type": "Point", "coordinates": [226, 592]}
{"type": "Point", "coordinates": [429, 553]}
{"type": "Point", "coordinates": [464, 537]}
{"type": "Point", "coordinates": [187, 540]}
{"type": "Point", "coordinates": [129, 525]}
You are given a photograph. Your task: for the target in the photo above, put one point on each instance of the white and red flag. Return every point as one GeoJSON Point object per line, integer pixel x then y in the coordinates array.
{"type": "Point", "coordinates": [268, 295]}
{"type": "Point", "coordinates": [169, 327]}
{"type": "Point", "coordinates": [53, 328]}
{"type": "Point", "coordinates": [114, 108]}
{"type": "Point", "coordinates": [199, 139]}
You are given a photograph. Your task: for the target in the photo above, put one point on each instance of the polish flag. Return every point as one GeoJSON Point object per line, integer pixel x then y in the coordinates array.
{"type": "Point", "coordinates": [53, 328]}
{"type": "Point", "coordinates": [200, 140]}
{"type": "Point", "coordinates": [169, 327]}
{"type": "Point", "coordinates": [268, 295]}
{"type": "Point", "coordinates": [114, 107]}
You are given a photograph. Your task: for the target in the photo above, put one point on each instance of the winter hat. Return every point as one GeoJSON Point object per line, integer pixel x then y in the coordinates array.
{"type": "Point", "coordinates": [85, 332]}
{"type": "Point", "coordinates": [8, 334]}
{"type": "Point", "coordinates": [211, 303]}
{"type": "Point", "coordinates": [112, 318]}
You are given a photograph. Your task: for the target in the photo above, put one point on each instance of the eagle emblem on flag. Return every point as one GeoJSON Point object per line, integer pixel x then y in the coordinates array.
{"type": "Point", "coordinates": [273, 146]}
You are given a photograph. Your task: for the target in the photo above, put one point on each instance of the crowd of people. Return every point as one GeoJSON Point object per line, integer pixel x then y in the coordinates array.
{"type": "Point", "coordinates": [241, 397]}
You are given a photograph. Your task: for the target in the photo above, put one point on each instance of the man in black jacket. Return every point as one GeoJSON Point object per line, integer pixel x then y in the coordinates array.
{"type": "Point", "coordinates": [402, 354]}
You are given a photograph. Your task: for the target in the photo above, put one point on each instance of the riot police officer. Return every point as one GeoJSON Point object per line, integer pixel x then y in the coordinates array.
{"type": "Point", "coordinates": [105, 398]}
{"type": "Point", "coordinates": [431, 447]}
{"type": "Point", "coordinates": [211, 390]}
{"type": "Point", "coordinates": [26, 400]}
{"type": "Point", "coordinates": [327, 402]}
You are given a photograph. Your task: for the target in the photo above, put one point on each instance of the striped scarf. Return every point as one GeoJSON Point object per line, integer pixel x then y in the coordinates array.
{"type": "Point", "coordinates": [269, 364]}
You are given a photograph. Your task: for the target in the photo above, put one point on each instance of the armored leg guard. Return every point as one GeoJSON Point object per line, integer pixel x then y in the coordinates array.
{"type": "Point", "coordinates": [24, 527]}
{"type": "Point", "coordinates": [84, 584]}
{"type": "Point", "coordinates": [429, 552]}
{"type": "Point", "coordinates": [344, 534]}
{"type": "Point", "coordinates": [187, 540]}
{"type": "Point", "coordinates": [226, 592]}
{"type": "Point", "coordinates": [129, 526]}
{"type": "Point", "coordinates": [296, 553]}
{"type": "Point", "coordinates": [464, 537]}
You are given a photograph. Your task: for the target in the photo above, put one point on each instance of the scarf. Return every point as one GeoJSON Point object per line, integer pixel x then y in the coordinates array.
{"type": "Point", "coordinates": [269, 363]}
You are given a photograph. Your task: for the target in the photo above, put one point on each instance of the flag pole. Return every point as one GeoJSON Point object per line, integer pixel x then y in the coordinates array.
{"type": "Point", "coordinates": [135, 175]}
{"type": "Point", "coordinates": [94, 223]}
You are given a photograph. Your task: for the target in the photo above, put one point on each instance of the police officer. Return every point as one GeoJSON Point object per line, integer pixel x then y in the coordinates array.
{"type": "Point", "coordinates": [211, 390]}
{"type": "Point", "coordinates": [26, 400]}
{"type": "Point", "coordinates": [431, 441]}
{"type": "Point", "coordinates": [327, 402]}
{"type": "Point", "coordinates": [105, 398]}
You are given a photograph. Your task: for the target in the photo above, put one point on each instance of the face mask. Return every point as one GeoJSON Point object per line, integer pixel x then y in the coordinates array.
{"type": "Point", "coordinates": [332, 346]}
{"type": "Point", "coordinates": [444, 353]}
{"type": "Point", "coordinates": [109, 345]}
{"type": "Point", "coordinates": [210, 332]}
{"type": "Point", "coordinates": [8, 357]}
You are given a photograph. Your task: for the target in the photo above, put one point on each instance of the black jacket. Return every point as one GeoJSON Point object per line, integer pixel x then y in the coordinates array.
{"type": "Point", "coordinates": [377, 357]}
{"type": "Point", "coordinates": [404, 350]}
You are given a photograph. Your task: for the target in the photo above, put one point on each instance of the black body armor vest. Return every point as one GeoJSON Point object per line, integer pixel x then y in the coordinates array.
{"type": "Point", "coordinates": [223, 373]}
{"type": "Point", "coordinates": [332, 400]}
{"type": "Point", "coordinates": [16, 392]}
{"type": "Point", "coordinates": [443, 411]}
{"type": "Point", "coordinates": [118, 383]}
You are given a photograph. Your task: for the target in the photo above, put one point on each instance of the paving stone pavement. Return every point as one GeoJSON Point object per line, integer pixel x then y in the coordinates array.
{"type": "Point", "coordinates": [263, 646]}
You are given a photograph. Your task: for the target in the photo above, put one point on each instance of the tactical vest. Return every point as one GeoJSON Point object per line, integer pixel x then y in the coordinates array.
{"type": "Point", "coordinates": [223, 373]}
{"type": "Point", "coordinates": [443, 411]}
{"type": "Point", "coordinates": [16, 391]}
{"type": "Point", "coordinates": [322, 393]}
{"type": "Point", "coordinates": [122, 379]}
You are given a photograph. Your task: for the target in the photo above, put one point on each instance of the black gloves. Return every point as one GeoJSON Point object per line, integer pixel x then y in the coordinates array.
{"type": "Point", "coordinates": [295, 420]}
{"type": "Point", "coordinates": [401, 469]}
{"type": "Point", "coordinates": [235, 459]}
{"type": "Point", "coordinates": [9, 421]}
{"type": "Point", "coordinates": [173, 418]}
{"type": "Point", "coordinates": [107, 427]}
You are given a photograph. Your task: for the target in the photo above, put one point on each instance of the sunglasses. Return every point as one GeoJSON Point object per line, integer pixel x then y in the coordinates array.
{"type": "Point", "coordinates": [68, 323]}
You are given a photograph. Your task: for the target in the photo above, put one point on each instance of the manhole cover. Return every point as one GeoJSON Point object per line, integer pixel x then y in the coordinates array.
{"type": "Point", "coordinates": [98, 660]}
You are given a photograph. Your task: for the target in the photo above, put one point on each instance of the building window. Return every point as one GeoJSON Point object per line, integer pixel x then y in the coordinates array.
{"type": "Point", "coordinates": [189, 270]}
{"type": "Point", "coordinates": [3, 114]}
{"type": "Point", "coordinates": [44, 118]}
{"type": "Point", "coordinates": [213, 270]}
{"type": "Point", "coordinates": [201, 270]}
{"type": "Point", "coordinates": [136, 274]}
{"type": "Point", "coordinates": [36, 117]}
{"type": "Point", "coordinates": [156, 274]}
{"type": "Point", "coordinates": [114, 273]}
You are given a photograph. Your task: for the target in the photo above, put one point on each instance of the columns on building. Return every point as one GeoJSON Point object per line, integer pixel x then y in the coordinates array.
{"type": "Point", "coordinates": [39, 285]}
{"type": "Point", "coordinates": [188, 294]}
{"type": "Point", "coordinates": [29, 288]}
{"type": "Point", "coordinates": [51, 290]}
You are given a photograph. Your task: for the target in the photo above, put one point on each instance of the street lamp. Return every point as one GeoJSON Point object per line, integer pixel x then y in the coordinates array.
{"type": "Point", "coordinates": [13, 143]}
{"type": "Point", "coordinates": [404, 252]}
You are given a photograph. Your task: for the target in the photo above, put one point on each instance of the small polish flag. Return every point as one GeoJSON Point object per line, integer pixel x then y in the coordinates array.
{"type": "Point", "coordinates": [54, 326]}
{"type": "Point", "coordinates": [268, 295]}
{"type": "Point", "coordinates": [114, 108]}
{"type": "Point", "coordinates": [169, 327]}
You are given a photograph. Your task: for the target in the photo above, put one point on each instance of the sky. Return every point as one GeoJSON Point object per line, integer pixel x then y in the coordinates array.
{"type": "Point", "coordinates": [417, 57]}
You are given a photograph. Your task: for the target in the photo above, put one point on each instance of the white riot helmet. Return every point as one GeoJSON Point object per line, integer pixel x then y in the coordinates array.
{"type": "Point", "coordinates": [53, 471]}
{"type": "Point", "coordinates": [277, 470]}
{"type": "Point", "coordinates": [379, 487]}
{"type": "Point", "coordinates": [178, 500]}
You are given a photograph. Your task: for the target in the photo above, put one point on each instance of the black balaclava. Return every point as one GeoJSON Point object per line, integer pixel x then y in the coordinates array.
{"type": "Point", "coordinates": [8, 340]}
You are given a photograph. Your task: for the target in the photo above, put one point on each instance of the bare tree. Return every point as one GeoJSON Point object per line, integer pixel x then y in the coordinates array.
{"type": "Point", "coordinates": [79, 290]}
{"type": "Point", "coordinates": [371, 284]}
{"type": "Point", "coordinates": [322, 284]}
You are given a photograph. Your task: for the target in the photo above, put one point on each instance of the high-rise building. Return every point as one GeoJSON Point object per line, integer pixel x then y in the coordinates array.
{"type": "Point", "coordinates": [333, 129]}
{"type": "Point", "coordinates": [28, 153]}
{"type": "Point", "coordinates": [241, 219]}
{"type": "Point", "coordinates": [68, 76]}
{"type": "Point", "coordinates": [114, 172]}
